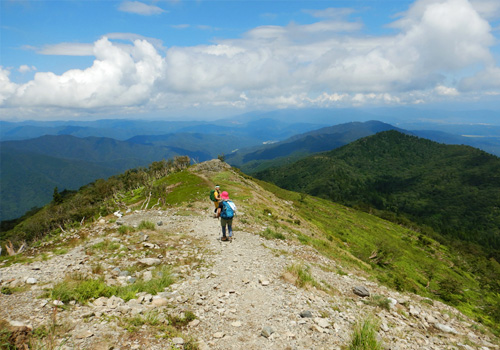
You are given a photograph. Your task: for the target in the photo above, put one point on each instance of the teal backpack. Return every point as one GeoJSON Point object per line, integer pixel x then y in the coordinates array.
{"type": "Point", "coordinates": [228, 210]}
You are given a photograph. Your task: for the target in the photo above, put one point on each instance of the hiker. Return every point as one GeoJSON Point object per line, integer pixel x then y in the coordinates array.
{"type": "Point", "coordinates": [226, 211]}
{"type": "Point", "coordinates": [215, 197]}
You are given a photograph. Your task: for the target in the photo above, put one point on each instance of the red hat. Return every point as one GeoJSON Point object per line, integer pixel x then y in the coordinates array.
{"type": "Point", "coordinates": [224, 195]}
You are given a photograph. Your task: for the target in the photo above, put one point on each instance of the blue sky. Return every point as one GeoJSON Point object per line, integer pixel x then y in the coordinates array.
{"type": "Point", "coordinates": [73, 59]}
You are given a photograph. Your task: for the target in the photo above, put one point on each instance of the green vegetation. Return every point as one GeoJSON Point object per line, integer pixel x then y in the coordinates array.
{"type": "Point", "coordinates": [301, 276]}
{"type": "Point", "coordinates": [271, 234]}
{"type": "Point", "coordinates": [4, 336]}
{"type": "Point", "coordinates": [164, 325]}
{"type": "Point", "coordinates": [396, 256]}
{"type": "Point", "coordinates": [147, 225]}
{"type": "Point", "coordinates": [451, 190]}
{"type": "Point", "coordinates": [364, 336]}
{"type": "Point", "coordinates": [82, 289]}
{"type": "Point", "coordinates": [378, 301]}
{"type": "Point", "coordinates": [152, 186]}
{"type": "Point", "coordinates": [405, 257]}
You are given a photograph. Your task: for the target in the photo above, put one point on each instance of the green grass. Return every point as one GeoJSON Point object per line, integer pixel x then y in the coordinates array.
{"type": "Point", "coordinates": [302, 275]}
{"type": "Point", "coordinates": [82, 289]}
{"type": "Point", "coordinates": [105, 246]}
{"type": "Point", "coordinates": [364, 336]}
{"type": "Point", "coordinates": [147, 225]}
{"type": "Point", "coordinates": [124, 229]}
{"type": "Point", "coordinates": [163, 325]}
{"type": "Point", "coordinates": [133, 324]}
{"type": "Point", "coordinates": [378, 301]}
{"type": "Point", "coordinates": [392, 254]}
{"type": "Point", "coordinates": [271, 234]}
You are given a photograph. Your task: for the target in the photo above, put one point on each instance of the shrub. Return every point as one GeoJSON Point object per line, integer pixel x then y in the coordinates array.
{"type": "Point", "coordinates": [364, 336]}
{"type": "Point", "coordinates": [83, 289]}
{"type": "Point", "coordinates": [270, 234]}
{"type": "Point", "coordinates": [301, 275]}
{"type": "Point", "coordinates": [147, 225]}
{"type": "Point", "coordinates": [379, 301]}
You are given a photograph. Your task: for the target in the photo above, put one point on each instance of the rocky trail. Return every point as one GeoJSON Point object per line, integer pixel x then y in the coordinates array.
{"type": "Point", "coordinates": [243, 294]}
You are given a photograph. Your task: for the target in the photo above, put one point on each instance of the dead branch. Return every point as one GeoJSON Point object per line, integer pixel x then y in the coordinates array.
{"type": "Point", "coordinates": [10, 248]}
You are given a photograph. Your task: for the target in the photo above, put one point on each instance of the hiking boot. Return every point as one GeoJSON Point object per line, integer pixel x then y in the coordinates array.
{"type": "Point", "coordinates": [230, 239]}
{"type": "Point", "coordinates": [224, 238]}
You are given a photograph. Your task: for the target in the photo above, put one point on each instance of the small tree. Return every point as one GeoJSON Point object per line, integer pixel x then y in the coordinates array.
{"type": "Point", "coordinates": [56, 197]}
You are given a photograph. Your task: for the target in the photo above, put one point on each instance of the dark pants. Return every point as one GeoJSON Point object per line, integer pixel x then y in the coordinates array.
{"type": "Point", "coordinates": [229, 223]}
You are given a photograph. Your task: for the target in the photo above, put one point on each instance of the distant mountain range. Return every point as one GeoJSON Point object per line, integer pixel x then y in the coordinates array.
{"type": "Point", "coordinates": [62, 150]}
{"type": "Point", "coordinates": [254, 129]}
{"type": "Point", "coordinates": [261, 157]}
{"type": "Point", "coordinates": [253, 142]}
{"type": "Point", "coordinates": [302, 145]}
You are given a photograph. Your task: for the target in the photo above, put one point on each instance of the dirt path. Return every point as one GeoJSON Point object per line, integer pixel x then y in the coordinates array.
{"type": "Point", "coordinates": [241, 293]}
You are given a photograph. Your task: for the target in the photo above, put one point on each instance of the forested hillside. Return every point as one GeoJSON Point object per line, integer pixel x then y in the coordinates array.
{"type": "Point", "coordinates": [303, 144]}
{"type": "Point", "coordinates": [31, 169]}
{"type": "Point", "coordinates": [455, 190]}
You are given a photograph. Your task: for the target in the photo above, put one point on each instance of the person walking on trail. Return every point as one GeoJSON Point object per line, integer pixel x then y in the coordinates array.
{"type": "Point", "coordinates": [215, 197]}
{"type": "Point", "coordinates": [226, 212]}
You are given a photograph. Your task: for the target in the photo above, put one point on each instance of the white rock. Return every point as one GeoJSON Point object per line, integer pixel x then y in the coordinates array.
{"type": "Point", "coordinates": [100, 301]}
{"type": "Point", "coordinates": [219, 335]}
{"type": "Point", "coordinates": [150, 261]}
{"type": "Point", "coordinates": [445, 328]}
{"type": "Point", "coordinates": [194, 323]}
{"type": "Point", "coordinates": [178, 340]}
{"type": "Point", "coordinates": [392, 302]}
{"type": "Point", "coordinates": [84, 334]}
{"type": "Point", "coordinates": [322, 322]}
{"type": "Point", "coordinates": [318, 328]}
{"type": "Point", "coordinates": [160, 302]}
{"type": "Point", "coordinates": [20, 324]}
{"type": "Point", "coordinates": [31, 280]}
{"type": "Point", "coordinates": [147, 276]}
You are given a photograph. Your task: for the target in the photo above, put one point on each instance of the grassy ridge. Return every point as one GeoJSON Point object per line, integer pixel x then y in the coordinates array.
{"type": "Point", "coordinates": [399, 257]}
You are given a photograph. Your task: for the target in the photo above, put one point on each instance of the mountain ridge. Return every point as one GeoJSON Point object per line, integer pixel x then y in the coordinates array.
{"type": "Point", "coordinates": [256, 292]}
{"type": "Point", "coordinates": [450, 188]}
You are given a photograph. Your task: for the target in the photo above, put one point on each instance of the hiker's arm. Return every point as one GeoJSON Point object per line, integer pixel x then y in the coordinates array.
{"type": "Point", "coordinates": [218, 213]}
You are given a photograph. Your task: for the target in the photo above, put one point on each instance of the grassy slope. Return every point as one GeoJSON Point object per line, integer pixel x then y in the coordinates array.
{"type": "Point", "coordinates": [404, 259]}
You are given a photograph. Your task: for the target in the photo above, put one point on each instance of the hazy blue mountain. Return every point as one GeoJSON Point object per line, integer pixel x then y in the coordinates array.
{"type": "Point", "coordinates": [298, 146]}
{"type": "Point", "coordinates": [402, 116]}
{"type": "Point", "coordinates": [118, 129]}
{"type": "Point", "coordinates": [488, 144]}
{"type": "Point", "coordinates": [212, 144]}
{"type": "Point", "coordinates": [258, 129]}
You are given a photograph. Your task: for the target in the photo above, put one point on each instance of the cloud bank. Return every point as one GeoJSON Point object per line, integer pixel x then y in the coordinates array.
{"type": "Point", "coordinates": [440, 50]}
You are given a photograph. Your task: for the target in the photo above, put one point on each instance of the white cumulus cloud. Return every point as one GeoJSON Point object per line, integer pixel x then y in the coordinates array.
{"type": "Point", "coordinates": [117, 78]}
{"type": "Point", "coordinates": [326, 63]}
